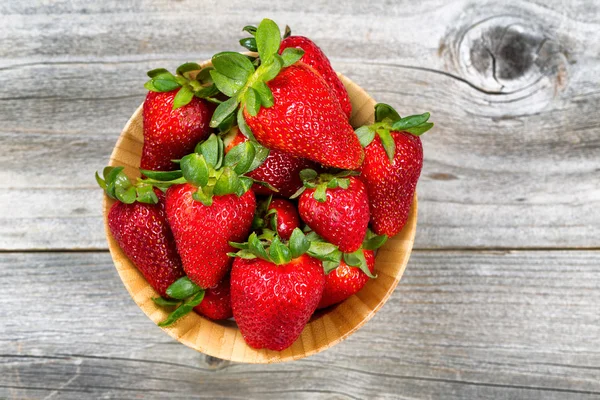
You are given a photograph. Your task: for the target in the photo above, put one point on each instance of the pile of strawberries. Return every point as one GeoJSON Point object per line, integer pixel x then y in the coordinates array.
{"type": "Point", "coordinates": [258, 200]}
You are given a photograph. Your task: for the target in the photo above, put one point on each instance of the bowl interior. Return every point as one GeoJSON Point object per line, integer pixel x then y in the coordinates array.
{"type": "Point", "coordinates": [223, 339]}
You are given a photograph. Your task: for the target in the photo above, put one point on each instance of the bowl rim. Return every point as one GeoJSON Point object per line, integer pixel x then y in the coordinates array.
{"type": "Point", "coordinates": [128, 274]}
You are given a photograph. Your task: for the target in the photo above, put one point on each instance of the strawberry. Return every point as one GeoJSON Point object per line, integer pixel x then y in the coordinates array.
{"type": "Point", "coordinates": [141, 230]}
{"type": "Point", "coordinates": [202, 232]}
{"type": "Point", "coordinates": [275, 291]}
{"type": "Point", "coordinates": [280, 170]}
{"type": "Point", "coordinates": [216, 304]}
{"type": "Point", "coordinates": [393, 162]}
{"type": "Point", "coordinates": [284, 104]}
{"type": "Point", "coordinates": [208, 204]}
{"type": "Point", "coordinates": [286, 217]}
{"type": "Point", "coordinates": [175, 117]}
{"type": "Point", "coordinates": [336, 208]}
{"type": "Point", "coordinates": [344, 281]}
{"type": "Point", "coordinates": [315, 57]}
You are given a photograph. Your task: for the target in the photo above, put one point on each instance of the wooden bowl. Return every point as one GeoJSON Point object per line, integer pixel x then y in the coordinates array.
{"type": "Point", "coordinates": [223, 339]}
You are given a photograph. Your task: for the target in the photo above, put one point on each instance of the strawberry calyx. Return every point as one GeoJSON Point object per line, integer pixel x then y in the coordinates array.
{"type": "Point", "coordinates": [190, 80]}
{"type": "Point", "coordinates": [332, 256]}
{"type": "Point", "coordinates": [184, 295]}
{"type": "Point", "coordinates": [117, 186]}
{"type": "Point", "coordinates": [212, 171]}
{"type": "Point", "coordinates": [265, 218]}
{"type": "Point", "coordinates": [321, 182]}
{"type": "Point", "coordinates": [250, 42]}
{"type": "Point", "coordinates": [387, 120]}
{"type": "Point", "coordinates": [243, 78]}
{"type": "Point", "coordinates": [269, 247]}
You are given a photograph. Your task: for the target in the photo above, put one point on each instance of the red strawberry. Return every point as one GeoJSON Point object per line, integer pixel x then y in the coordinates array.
{"type": "Point", "coordinates": [336, 208]}
{"type": "Point", "coordinates": [171, 134]}
{"type": "Point", "coordinates": [216, 304]}
{"type": "Point", "coordinates": [202, 232]}
{"type": "Point", "coordinates": [306, 120]}
{"type": "Point", "coordinates": [280, 170]}
{"type": "Point", "coordinates": [344, 281]}
{"type": "Point", "coordinates": [141, 229]}
{"type": "Point", "coordinates": [315, 57]}
{"type": "Point", "coordinates": [287, 217]}
{"type": "Point", "coordinates": [272, 303]}
{"type": "Point", "coordinates": [393, 162]}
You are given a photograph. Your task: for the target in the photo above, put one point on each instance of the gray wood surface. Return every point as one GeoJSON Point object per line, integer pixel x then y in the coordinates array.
{"type": "Point", "coordinates": [500, 301]}
{"type": "Point", "coordinates": [476, 324]}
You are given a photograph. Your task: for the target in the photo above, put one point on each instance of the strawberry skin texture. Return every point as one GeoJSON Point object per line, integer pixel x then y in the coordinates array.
{"type": "Point", "coordinates": [143, 233]}
{"type": "Point", "coordinates": [344, 281]}
{"type": "Point", "coordinates": [216, 304]}
{"type": "Point", "coordinates": [315, 57]}
{"type": "Point", "coordinates": [287, 217]}
{"type": "Point", "coordinates": [306, 120]}
{"type": "Point", "coordinates": [272, 303]}
{"type": "Point", "coordinates": [342, 219]}
{"type": "Point", "coordinates": [281, 170]}
{"type": "Point", "coordinates": [202, 233]}
{"type": "Point", "coordinates": [171, 134]}
{"type": "Point", "coordinates": [391, 186]}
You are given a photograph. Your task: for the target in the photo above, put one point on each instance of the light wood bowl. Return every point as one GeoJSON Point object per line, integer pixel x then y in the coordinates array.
{"type": "Point", "coordinates": [223, 339]}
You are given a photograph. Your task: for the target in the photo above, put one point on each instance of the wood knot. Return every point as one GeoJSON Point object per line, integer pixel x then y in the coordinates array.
{"type": "Point", "coordinates": [505, 54]}
{"type": "Point", "coordinates": [216, 363]}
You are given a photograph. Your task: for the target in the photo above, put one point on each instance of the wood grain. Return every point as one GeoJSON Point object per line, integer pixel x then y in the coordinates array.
{"type": "Point", "coordinates": [461, 324]}
{"type": "Point", "coordinates": [512, 163]}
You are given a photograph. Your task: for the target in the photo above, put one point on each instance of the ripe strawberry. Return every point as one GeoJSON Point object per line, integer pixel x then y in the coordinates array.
{"type": "Point", "coordinates": [280, 170]}
{"type": "Point", "coordinates": [285, 104]}
{"type": "Point", "coordinates": [202, 232]}
{"type": "Point", "coordinates": [345, 280]}
{"type": "Point", "coordinates": [315, 57]}
{"type": "Point", "coordinates": [142, 232]}
{"type": "Point", "coordinates": [216, 304]}
{"type": "Point", "coordinates": [393, 162]}
{"type": "Point", "coordinates": [286, 217]}
{"type": "Point", "coordinates": [175, 118]}
{"type": "Point", "coordinates": [336, 208]}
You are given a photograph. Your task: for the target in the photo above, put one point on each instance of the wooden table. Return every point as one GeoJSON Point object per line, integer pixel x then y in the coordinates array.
{"type": "Point", "coordinates": [501, 298]}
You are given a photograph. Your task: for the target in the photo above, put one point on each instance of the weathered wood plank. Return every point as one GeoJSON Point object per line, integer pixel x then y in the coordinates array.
{"type": "Point", "coordinates": [512, 163]}
{"type": "Point", "coordinates": [486, 325]}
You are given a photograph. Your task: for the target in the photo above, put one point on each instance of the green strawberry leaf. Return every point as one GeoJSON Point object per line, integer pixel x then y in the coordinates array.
{"type": "Point", "coordinates": [188, 67]}
{"type": "Point", "coordinates": [329, 266]}
{"type": "Point", "coordinates": [244, 128]}
{"type": "Point", "coordinates": [195, 169]}
{"type": "Point", "coordinates": [268, 39]}
{"type": "Point", "coordinates": [320, 193]}
{"type": "Point", "coordinates": [250, 29]}
{"type": "Point", "coordinates": [233, 65]}
{"type": "Point", "coordinates": [156, 72]}
{"type": "Point", "coordinates": [165, 82]}
{"type": "Point", "coordinates": [241, 157]}
{"type": "Point", "coordinates": [308, 174]}
{"type": "Point", "coordinates": [343, 183]}
{"type": "Point", "coordinates": [162, 175]}
{"type": "Point", "coordinates": [383, 111]}
{"type": "Point", "coordinates": [249, 43]}
{"type": "Point", "coordinates": [227, 123]}
{"type": "Point", "coordinates": [227, 183]}
{"type": "Point", "coordinates": [228, 86]}
{"type": "Point", "coordinates": [319, 249]}
{"type": "Point", "coordinates": [252, 101]}
{"type": "Point", "coordinates": [268, 70]}
{"type": "Point", "coordinates": [298, 243]}
{"type": "Point", "coordinates": [239, 245]}
{"type": "Point", "coordinates": [224, 110]}
{"type": "Point", "coordinates": [256, 247]}
{"type": "Point", "coordinates": [279, 253]}
{"type": "Point", "coordinates": [160, 301]}
{"type": "Point", "coordinates": [183, 309]}
{"type": "Point", "coordinates": [388, 143]}
{"type": "Point", "coordinates": [291, 55]}
{"type": "Point", "coordinates": [245, 185]}
{"type": "Point", "coordinates": [365, 135]}
{"type": "Point", "coordinates": [182, 288]}
{"type": "Point", "coordinates": [264, 93]}
{"type": "Point", "coordinates": [101, 182]}
{"type": "Point", "coordinates": [204, 195]}
{"type": "Point", "coordinates": [260, 155]}
{"type": "Point", "coordinates": [410, 122]}
{"type": "Point", "coordinates": [419, 130]}
{"type": "Point", "coordinates": [145, 194]}
{"type": "Point", "coordinates": [374, 242]}
{"type": "Point", "coordinates": [126, 195]}
{"type": "Point", "coordinates": [204, 75]}
{"type": "Point", "coordinates": [245, 254]}
{"type": "Point", "coordinates": [206, 92]}
{"type": "Point", "coordinates": [183, 97]}
{"type": "Point", "coordinates": [212, 150]}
